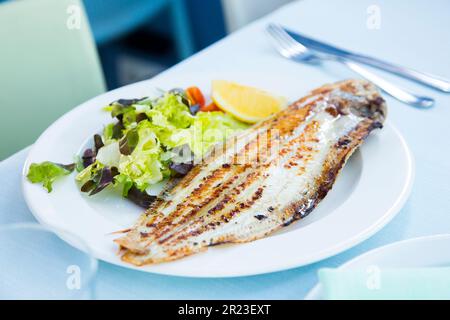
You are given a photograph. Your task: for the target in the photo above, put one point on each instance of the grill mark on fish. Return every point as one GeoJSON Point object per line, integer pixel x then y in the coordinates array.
{"type": "Point", "coordinates": [208, 162]}
{"type": "Point", "coordinates": [164, 225]}
{"type": "Point", "coordinates": [260, 216]}
{"type": "Point", "coordinates": [302, 209]}
{"type": "Point", "coordinates": [231, 216]}
{"type": "Point", "coordinates": [198, 208]}
{"type": "Point", "coordinates": [194, 172]}
{"type": "Point", "coordinates": [199, 190]}
{"type": "Point", "coordinates": [210, 219]}
{"type": "Point", "coordinates": [191, 208]}
{"type": "Point", "coordinates": [210, 222]}
{"type": "Point", "coordinates": [333, 165]}
{"type": "Point", "coordinates": [270, 124]}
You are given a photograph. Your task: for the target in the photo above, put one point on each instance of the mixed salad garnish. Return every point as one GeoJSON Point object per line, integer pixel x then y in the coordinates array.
{"type": "Point", "coordinates": [150, 140]}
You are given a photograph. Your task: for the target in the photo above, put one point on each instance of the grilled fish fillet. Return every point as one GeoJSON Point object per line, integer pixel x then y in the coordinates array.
{"type": "Point", "coordinates": [253, 187]}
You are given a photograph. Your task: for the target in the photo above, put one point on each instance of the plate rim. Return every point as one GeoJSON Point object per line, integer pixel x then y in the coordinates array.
{"type": "Point", "coordinates": [315, 292]}
{"type": "Point", "coordinates": [387, 216]}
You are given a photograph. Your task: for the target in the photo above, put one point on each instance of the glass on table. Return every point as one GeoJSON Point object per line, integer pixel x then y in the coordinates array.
{"type": "Point", "coordinates": [36, 264]}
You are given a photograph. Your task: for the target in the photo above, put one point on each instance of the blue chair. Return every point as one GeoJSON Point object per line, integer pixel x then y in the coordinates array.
{"type": "Point", "coordinates": [111, 19]}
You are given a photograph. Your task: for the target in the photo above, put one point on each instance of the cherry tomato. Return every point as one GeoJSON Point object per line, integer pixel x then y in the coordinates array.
{"type": "Point", "coordinates": [210, 107]}
{"type": "Point", "coordinates": [195, 96]}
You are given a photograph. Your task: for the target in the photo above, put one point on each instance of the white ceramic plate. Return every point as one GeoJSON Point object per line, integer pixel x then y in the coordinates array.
{"type": "Point", "coordinates": [428, 251]}
{"type": "Point", "coordinates": [370, 191]}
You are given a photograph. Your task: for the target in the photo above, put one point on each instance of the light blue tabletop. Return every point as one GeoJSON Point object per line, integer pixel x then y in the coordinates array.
{"type": "Point", "coordinates": [413, 33]}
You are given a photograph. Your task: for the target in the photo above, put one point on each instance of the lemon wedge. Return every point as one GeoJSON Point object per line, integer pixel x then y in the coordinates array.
{"type": "Point", "coordinates": [247, 104]}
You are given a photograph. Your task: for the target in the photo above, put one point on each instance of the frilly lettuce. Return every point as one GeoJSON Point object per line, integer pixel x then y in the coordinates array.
{"type": "Point", "coordinates": [168, 125]}
{"type": "Point", "coordinates": [143, 165]}
{"type": "Point", "coordinates": [207, 129]}
{"type": "Point", "coordinates": [170, 112]}
{"type": "Point", "coordinates": [47, 172]}
{"type": "Point", "coordinates": [142, 147]}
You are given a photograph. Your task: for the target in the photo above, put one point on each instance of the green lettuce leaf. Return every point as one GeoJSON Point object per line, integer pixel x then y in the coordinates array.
{"type": "Point", "coordinates": [208, 129]}
{"type": "Point", "coordinates": [89, 172]}
{"type": "Point", "coordinates": [143, 165]}
{"type": "Point", "coordinates": [125, 182]}
{"type": "Point", "coordinates": [170, 111]}
{"type": "Point", "coordinates": [47, 172]}
{"type": "Point", "coordinates": [142, 168]}
{"type": "Point", "coordinates": [150, 130]}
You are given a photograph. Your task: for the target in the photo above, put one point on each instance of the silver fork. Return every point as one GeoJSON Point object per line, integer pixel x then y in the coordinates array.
{"type": "Point", "coordinates": [294, 50]}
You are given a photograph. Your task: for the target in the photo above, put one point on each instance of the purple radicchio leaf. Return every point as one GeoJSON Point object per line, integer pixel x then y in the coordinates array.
{"type": "Point", "coordinates": [98, 142]}
{"type": "Point", "coordinates": [181, 169]}
{"type": "Point", "coordinates": [129, 102]}
{"type": "Point", "coordinates": [183, 162]}
{"type": "Point", "coordinates": [117, 130]}
{"type": "Point", "coordinates": [141, 198]}
{"type": "Point", "coordinates": [141, 117]}
{"type": "Point", "coordinates": [88, 157]}
{"type": "Point", "coordinates": [88, 186]}
{"type": "Point", "coordinates": [104, 179]}
{"type": "Point", "coordinates": [69, 167]}
{"type": "Point", "coordinates": [129, 142]}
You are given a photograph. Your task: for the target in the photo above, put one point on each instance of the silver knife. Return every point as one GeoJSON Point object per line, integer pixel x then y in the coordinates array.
{"type": "Point", "coordinates": [430, 80]}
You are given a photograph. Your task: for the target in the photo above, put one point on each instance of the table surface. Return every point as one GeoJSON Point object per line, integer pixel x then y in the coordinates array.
{"type": "Point", "coordinates": [412, 33]}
